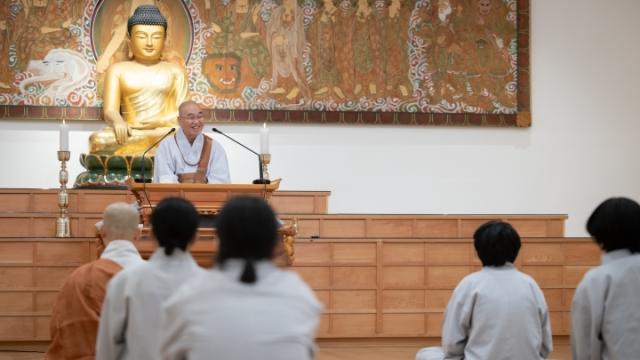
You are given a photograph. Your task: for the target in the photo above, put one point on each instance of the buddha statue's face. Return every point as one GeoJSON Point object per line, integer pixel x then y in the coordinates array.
{"type": "Point", "coordinates": [147, 42]}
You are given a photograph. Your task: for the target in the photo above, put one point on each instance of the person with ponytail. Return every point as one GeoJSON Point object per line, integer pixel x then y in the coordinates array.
{"type": "Point", "coordinates": [246, 307]}
{"type": "Point", "coordinates": [129, 324]}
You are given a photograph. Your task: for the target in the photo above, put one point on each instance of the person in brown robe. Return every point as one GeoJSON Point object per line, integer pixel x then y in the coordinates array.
{"type": "Point", "coordinates": [76, 313]}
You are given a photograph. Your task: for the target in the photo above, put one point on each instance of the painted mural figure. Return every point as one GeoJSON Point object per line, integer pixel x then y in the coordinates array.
{"type": "Point", "coordinates": [323, 37]}
{"type": "Point", "coordinates": [285, 40]}
{"type": "Point", "coordinates": [446, 55]}
{"type": "Point", "coordinates": [56, 76]}
{"type": "Point", "coordinates": [396, 65]}
{"type": "Point", "coordinates": [344, 54]}
{"type": "Point", "coordinates": [237, 55]}
{"type": "Point", "coordinates": [5, 43]}
{"type": "Point", "coordinates": [366, 50]}
{"type": "Point", "coordinates": [47, 26]}
{"type": "Point", "coordinates": [486, 38]}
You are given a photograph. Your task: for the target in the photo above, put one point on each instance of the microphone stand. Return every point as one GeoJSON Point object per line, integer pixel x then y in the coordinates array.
{"type": "Point", "coordinates": [144, 180]}
{"type": "Point", "coordinates": [261, 180]}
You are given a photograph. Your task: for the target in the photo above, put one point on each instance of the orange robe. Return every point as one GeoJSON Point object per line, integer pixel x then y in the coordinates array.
{"type": "Point", "coordinates": [75, 315]}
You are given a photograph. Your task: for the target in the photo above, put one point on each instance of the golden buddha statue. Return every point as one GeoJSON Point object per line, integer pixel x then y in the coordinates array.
{"type": "Point", "coordinates": [141, 96]}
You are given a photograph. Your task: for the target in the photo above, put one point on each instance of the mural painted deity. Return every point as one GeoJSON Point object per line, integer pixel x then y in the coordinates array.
{"type": "Point", "coordinates": [445, 55]}
{"type": "Point", "coordinates": [324, 39]}
{"type": "Point", "coordinates": [5, 44]}
{"type": "Point", "coordinates": [236, 47]}
{"type": "Point", "coordinates": [55, 77]}
{"type": "Point", "coordinates": [396, 62]}
{"type": "Point", "coordinates": [486, 37]}
{"type": "Point", "coordinates": [366, 51]}
{"type": "Point", "coordinates": [286, 40]}
{"type": "Point", "coordinates": [223, 72]}
{"type": "Point", "coordinates": [47, 25]}
{"type": "Point", "coordinates": [345, 17]}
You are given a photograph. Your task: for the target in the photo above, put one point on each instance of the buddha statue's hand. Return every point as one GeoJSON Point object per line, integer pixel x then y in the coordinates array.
{"type": "Point", "coordinates": [121, 130]}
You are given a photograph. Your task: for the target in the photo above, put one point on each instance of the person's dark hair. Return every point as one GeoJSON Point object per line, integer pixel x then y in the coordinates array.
{"type": "Point", "coordinates": [496, 243]}
{"type": "Point", "coordinates": [248, 230]}
{"type": "Point", "coordinates": [146, 15]}
{"type": "Point", "coordinates": [174, 222]}
{"type": "Point", "coordinates": [615, 225]}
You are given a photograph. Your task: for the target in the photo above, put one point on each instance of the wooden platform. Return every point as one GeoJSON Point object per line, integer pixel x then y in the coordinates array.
{"type": "Point", "coordinates": [379, 276]}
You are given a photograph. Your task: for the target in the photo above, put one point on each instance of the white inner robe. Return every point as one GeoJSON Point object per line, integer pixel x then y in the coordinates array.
{"type": "Point", "coordinates": [123, 253]}
{"type": "Point", "coordinates": [169, 159]}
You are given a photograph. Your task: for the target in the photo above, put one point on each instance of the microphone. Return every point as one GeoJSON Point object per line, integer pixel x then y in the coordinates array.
{"type": "Point", "coordinates": [261, 180]}
{"type": "Point", "coordinates": [145, 180]}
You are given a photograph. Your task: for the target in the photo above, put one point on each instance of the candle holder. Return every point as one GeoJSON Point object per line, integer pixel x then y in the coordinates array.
{"type": "Point", "coordinates": [266, 160]}
{"type": "Point", "coordinates": [63, 223]}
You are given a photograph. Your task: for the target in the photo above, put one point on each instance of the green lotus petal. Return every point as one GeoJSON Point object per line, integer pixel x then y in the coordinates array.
{"type": "Point", "coordinates": [116, 162]}
{"type": "Point", "coordinates": [94, 162]}
{"type": "Point", "coordinates": [136, 163]}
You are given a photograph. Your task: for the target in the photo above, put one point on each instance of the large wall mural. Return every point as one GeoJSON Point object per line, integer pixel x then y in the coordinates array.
{"type": "Point", "coordinates": [364, 60]}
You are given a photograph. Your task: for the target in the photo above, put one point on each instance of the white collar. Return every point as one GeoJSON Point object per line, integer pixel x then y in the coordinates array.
{"type": "Point", "coordinates": [190, 152]}
{"type": "Point", "coordinates": [507, 266]}
{"type": "Point", "coordinates": [123, 252]}
{"type": "Point", "coordinates": [233, 268]}
{"type": "Point", "coordinates": [614, 255]}
{"type": "Point", "coordinates": [178, 256]}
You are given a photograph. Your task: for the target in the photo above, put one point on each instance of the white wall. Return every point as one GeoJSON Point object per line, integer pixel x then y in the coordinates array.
{"type": "Point", "coordinates": [581, 149]}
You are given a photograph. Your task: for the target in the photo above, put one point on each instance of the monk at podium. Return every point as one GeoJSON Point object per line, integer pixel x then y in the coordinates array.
{"type": "Point", "coordinates": [141, 96]}
{"type": "Point", "coordinates": [190, 156]}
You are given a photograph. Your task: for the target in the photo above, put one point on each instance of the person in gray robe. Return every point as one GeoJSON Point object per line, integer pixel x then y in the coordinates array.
{"type": "Point", "coordinates": [497, 313]}
{"type": "Point", "coordinates": [605, 313]}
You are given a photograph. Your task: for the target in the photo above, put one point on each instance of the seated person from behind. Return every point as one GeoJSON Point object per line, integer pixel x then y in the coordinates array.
{"type": "Point", "coordinates": [190, 156]}
{"type": "Point", "coordinates": [141, 96]}
{"type": "Point", "coordinates": [246, 307]}
{"type": "Point", "coordinates": [75, 315]}
{"type": "Point", "coordinates": [129, 324]}
{"type": "Point", "coordinates": [605, 312]}
{"type": "Point", "coordinates": [497, 313]}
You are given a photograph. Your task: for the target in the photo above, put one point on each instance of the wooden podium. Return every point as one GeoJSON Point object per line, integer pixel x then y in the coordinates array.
{"type": "Point", "coordinates": [208, 200]}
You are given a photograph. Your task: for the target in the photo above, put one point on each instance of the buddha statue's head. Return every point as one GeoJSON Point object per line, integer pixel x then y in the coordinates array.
{"type": "Point", "coordinates": [147, 32]}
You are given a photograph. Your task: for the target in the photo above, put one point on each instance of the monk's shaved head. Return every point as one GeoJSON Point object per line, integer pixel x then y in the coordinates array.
{"type": "Point", "coordinates": [120, 222]}
{"type": "Point", "coordinates": [187, 104]}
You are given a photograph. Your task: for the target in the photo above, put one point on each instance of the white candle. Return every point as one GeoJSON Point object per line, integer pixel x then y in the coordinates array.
{"type": "Point", "coordinates": [264, 139]}
{"type": "Point", "coordinates": [64, 136]}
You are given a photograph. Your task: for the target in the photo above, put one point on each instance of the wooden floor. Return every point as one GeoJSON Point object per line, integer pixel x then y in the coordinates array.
{"type": "Point", "coordinates": [342, 349]}
{"type": "Point", "coordinates": [402, 349]}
